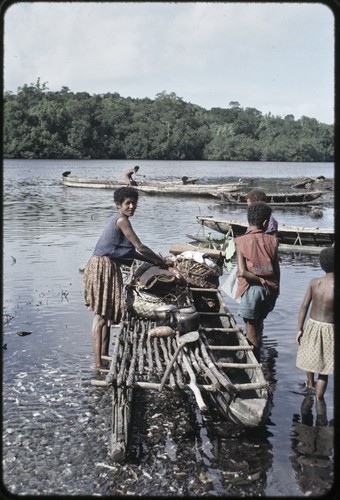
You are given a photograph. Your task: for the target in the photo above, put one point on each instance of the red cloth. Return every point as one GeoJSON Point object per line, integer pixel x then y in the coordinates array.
{"type": "Point", "coordinates": [260, 252]}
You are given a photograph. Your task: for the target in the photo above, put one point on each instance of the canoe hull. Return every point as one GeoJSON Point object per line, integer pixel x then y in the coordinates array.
{"type": "Point", "coordinates": [156, 188]}
{"type": "Point", "coordinates": [252, 414]}
{"type": "Point", "coordinates": [292, 198]}
{"type": "Point", "coordinates": [287, 235]}
{"type": "Point", "coordinates": [227, 345]}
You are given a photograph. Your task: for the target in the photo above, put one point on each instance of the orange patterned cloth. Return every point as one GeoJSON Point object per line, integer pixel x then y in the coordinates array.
{"type": "Point", "coordinates": [103, 288]}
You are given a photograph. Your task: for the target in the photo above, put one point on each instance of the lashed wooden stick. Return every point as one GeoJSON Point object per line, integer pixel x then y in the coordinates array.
{"type": "Point", "coordinates": [141, 348]}
{"type": "Point", "coordinates": [193, 386]}
{"type": "Point", "coordinates": [112, 375]}
{"type": "Point", "coordinates": [205, 369]}
{"type": "Point", "coordinates": [157, 357]}
{"type": "Point", "coordinates": [210, 363]}
{"type": "Point", "coordinates": [167, 360]}
{"type": "Point", "coordinates": [182, 341]}
{"type": "Point", "coordinates": [133, 362]}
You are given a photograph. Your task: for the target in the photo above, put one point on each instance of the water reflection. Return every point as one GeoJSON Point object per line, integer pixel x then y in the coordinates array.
{"type": "Point", "coordinates": [312, 444]}
{"type": "Point", "coordinates": [204, 455]}
{"type": "Point", "coordinates": [300, 260]}
{"type": "Point", "coordinates": [268, 356]}
{"type": "Point", "coordinates": [243, 455]}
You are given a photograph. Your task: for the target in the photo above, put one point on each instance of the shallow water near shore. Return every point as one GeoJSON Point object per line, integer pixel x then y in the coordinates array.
{"type": "Point", "coordinates": [56, 426]}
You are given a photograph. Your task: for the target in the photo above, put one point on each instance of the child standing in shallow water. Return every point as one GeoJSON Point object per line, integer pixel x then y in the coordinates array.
{"type": "Point", "coordinates": [258, 272]}
{"type": "Point", "coordinates": [316, 342]}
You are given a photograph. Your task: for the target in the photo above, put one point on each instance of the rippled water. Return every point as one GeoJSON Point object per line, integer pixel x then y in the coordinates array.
{"type": "Point", "coordinates": [56, 425]}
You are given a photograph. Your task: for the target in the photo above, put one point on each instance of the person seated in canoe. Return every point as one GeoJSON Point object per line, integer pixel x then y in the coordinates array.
{"type": "Point", "coordinates": [258, 272]}
{"type": "Point", "coordinates": [259, 195]}
{"type": "Point", "coordinates": [103, 282]}
{"type": "Point", "coordinates": [188, 180]}
{"type": "Point", "coordinates": [128, 179]}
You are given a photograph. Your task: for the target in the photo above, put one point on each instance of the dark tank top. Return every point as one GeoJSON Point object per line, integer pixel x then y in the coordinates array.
{"type": "Point", "coordinates": [112, 243]}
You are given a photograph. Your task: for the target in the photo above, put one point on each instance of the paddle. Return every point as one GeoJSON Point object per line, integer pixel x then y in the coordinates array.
{"type": "Point", "coordinates": [182, 341]}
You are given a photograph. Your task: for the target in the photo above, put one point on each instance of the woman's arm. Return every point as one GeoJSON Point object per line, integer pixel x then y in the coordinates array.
{"type": "Point", "coordinates": [124, 225]}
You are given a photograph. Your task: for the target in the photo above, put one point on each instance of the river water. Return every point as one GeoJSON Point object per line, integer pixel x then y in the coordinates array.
{"type": "Point", "coordinates": [56, 425]}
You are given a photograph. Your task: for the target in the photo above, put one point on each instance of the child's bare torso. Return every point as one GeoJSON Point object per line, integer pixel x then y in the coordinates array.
{"type": "Point", "coordinates": [322, 299]}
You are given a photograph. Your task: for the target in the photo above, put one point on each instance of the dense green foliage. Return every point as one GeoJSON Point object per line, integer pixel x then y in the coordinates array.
{"type": "Point", "coordinates": [43, 124]}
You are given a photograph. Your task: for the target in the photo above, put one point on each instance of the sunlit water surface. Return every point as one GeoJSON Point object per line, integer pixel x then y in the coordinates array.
{"type": "Point", "coordinates": [56, 425]}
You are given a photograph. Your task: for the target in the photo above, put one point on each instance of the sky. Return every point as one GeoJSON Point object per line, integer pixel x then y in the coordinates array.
{"type": "Point", "coordinates": [275, 57]}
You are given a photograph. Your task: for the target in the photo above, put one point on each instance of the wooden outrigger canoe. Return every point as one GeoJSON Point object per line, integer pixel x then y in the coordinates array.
{"type": "Point", "coordinates": [243, 396]}
{"type": "Point", "coordinates": [307, 182]}
{"type": "Point", "coordinates": [219, 368]}
{"type": "Point", "coordinates": [170, 188]}
{"type": "Point", "coordinates": [204, 190]}
{"type": "Point", "coordinates": [304, 239]}
{"type": "Point", "coordinates": [205, 245]}
{"type": "Point", "coordinates": [97, 183]}
{"type": "Point", "coordinates": [291, 199]}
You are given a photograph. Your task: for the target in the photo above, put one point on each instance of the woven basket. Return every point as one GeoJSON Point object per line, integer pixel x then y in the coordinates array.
{"type": "Point", "coordinates": [198, 275]}
{"type": "Point", "coordinates": [143, 304]}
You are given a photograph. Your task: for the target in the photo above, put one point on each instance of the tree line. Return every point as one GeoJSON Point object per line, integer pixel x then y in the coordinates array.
{"type": "Point", "coordinates": [41, 124]}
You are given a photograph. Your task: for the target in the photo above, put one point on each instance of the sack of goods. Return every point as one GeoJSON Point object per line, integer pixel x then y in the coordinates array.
{"type": "Point", "coordinates": [154, 279]}
{"type": "Point", "coordinates": [153, 286]}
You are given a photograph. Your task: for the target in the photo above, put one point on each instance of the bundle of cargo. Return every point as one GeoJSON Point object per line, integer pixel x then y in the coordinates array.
{"type": "Point", "coordinates": [152, 287]}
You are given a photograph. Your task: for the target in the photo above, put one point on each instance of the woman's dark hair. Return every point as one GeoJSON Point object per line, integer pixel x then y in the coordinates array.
{"type": "Point", "coordinates": [258, 212]}
{"type": "Point", "coordinates": [125, 192]}
{"type": "Point", "coordinates": [327, 259]}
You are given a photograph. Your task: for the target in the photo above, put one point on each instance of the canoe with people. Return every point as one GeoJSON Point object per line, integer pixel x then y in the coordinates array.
{"type": "Point", "coordinates": [179, 335]}
{"type": "Point", "coordinates": [184, 186]}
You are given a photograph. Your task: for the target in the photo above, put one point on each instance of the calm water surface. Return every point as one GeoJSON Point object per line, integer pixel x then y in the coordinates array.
{"type": "Point", "coordinates": [56, 425]}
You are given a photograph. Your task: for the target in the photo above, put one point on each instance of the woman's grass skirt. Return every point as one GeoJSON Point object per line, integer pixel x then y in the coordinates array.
{"type": "Point", "coordinates": [103, 288]}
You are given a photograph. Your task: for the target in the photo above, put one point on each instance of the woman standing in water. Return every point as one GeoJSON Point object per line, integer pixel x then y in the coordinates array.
{"type": "Point", "coordinates": [103, 281]}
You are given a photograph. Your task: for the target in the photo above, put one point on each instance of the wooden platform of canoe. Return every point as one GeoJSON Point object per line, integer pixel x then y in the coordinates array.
{"type": "Point", "coordinates": [303, 239]}
{"type": "Point", "coordinates": [169, 188]}
{"type": "Point", "coordinates": [218, 369]}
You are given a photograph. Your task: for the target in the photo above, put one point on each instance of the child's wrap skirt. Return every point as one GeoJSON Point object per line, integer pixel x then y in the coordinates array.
{"type": "Point", "coordinates": [316, 350]}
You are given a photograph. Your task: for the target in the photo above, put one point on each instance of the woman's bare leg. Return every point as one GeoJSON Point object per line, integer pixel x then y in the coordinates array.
{"type": "Point", "coordinates": [105, 340]}
{"type": "Point", "coordinates": [97, 328]}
